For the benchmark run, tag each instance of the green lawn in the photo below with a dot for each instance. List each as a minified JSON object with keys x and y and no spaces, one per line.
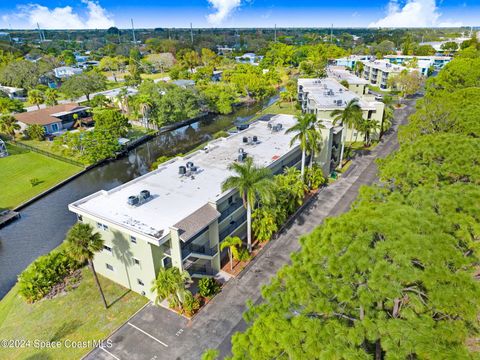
{"x":77,"y":316}
{"x":280,"y":107}
{"x":20,"y":166}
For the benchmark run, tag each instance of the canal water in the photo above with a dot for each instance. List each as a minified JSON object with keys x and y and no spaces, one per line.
{"x":44,"y":223}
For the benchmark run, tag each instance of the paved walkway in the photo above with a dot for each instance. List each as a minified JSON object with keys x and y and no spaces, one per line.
{"x":156,"y":333}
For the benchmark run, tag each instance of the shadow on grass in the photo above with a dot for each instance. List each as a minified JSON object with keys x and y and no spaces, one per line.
{"x":67,"y":328}
{"x":118,"y":299}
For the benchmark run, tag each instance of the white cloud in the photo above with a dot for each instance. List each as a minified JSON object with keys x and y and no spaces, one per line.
{"x":95,"y":17}
{"x":415,"y":13}
{"x":223,"y":9}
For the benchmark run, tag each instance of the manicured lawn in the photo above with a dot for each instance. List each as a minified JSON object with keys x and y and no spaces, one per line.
{"x":153,"y":76}
{"x":20,"y":166}
{"x":280,"y":107}
{"x":77,"y":316}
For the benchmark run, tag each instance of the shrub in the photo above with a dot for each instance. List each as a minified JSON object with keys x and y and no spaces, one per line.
{"x":39,"y":277}
{"x":314,"y":177}
{"x":191,"y":304}
{"x":221,"y":134}
{"x":34,"y":182}
{"x":208,"y":287}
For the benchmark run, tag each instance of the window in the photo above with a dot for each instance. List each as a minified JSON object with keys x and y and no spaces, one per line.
{"x":108,"y":248}
{"x":109,"y":267}
{"x":136,"y":261}
{"x":230,"y":200}
{"x":140,"y":282}
{"x":133,"y":239}
{"x":102,"y":226}
{"x":54,"y":127}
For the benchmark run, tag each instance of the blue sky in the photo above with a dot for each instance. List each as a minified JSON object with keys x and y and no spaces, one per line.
{"x":65,"y":14}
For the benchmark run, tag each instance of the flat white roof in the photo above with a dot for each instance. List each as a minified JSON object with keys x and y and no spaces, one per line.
{"x":384,"y":65}
{"x":340,"y":73}
{"x":329,"y":94}
{"x":175,"y":197}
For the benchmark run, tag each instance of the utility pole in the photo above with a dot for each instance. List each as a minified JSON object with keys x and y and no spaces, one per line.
{"x":191,"y":33}
{"x":39,"y":32}
{"x":275,"y":36}
{"x":133,"y":33}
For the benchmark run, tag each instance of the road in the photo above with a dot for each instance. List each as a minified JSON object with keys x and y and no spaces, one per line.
{"x":157,"y":333}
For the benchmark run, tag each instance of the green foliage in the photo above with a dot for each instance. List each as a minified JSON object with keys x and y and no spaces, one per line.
{"x":459,"y":74}
{"x":35,"y":97}
{"x":191,"y":304}
{"x":36,"y":132}
{"x":34,"y":182}
{"x":211,"y":354}
{"x":208,"y":287}
{"x":39,"y":277}
{"x":8,"y":106}
{"x":8,"y":125}
{"x":250,"y":81}
{"x":219,"y":97}
{"x":84,"y":84}
{"x":111,"y":121}
{"x":221,"y":134}
{"x":170,"y":285}
{"x":160,"y":160}
{"x":21,"y":74}
{"x":51,"y":97}
{"x":314,"y":177}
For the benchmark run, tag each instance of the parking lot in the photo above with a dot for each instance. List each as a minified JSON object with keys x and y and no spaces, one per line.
{"x":147,"y":335}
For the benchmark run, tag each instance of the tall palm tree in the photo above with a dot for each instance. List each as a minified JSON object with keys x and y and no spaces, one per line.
{"x":122,"y":99}
{"x":170,"y":284}
{"x":307,"y":134}
{"x":232,"y":243}
{"x":144,"y":103}
{"x":83,"y":243}
{"x":358,"y":67}
{"x":388,"y":115}
{"x":349,"y":117}
{"x":51,"y":97}
{"x":252,"y":182}
{"x":35,"y":97}
{"x":367,"y":127}
{"x":8,"y":125}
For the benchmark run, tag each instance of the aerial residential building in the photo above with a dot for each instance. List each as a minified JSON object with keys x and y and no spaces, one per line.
{"x":13,"y":92}
{"x":55,"y":119}
{"x":321,"y":97}
{"x":377,"y":72}
{"x":355,"y":83}
{"x":249,"y":58}
{"x":178,"y":215}
{"x":424,"y":62}
{"x":351,"y":60}
{"x":64,"y":72}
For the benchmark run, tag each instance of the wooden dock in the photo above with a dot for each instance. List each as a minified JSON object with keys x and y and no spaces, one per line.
{"x":8,"y":216}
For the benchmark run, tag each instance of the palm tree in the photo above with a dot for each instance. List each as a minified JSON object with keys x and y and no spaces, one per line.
{"x":367,"y":127}
{"x":144,"y":103}
{"x":83,"y":243}
{"x":170,"y":284}
{"x":8,"y":125}
{"x":122,"y":99}
{"x":252,"y":182}
{"x":307,"y":134}
{"x":232,"y":244}
{"x":349,"y":117}
{"x":388,"y":115}
{"x":35,"y":97}
{"x":51,"y":97}
{"x":358,"y":67}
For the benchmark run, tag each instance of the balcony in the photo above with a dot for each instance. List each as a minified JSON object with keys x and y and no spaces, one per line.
{"x":200,"y":271}
{"x":200,"y":251}
{"x":234,"y":206}
{"x":232,"y":227}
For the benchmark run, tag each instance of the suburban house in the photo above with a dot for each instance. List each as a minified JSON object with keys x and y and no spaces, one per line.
{"x":377,"y":72}
{"x":184,"y":83}
{"x":249,"y":58}
{"x":13,"y":92}
{"x":55,"y":119}
{"x":356,"y":84}
{"x":64,"y":72}
{"x":177,"y":215}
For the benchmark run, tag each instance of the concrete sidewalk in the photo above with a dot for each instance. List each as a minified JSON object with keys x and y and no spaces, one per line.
{"x":214,"y":325}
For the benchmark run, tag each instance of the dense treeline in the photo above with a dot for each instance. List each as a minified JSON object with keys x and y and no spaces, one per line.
{"x":394,"y":277}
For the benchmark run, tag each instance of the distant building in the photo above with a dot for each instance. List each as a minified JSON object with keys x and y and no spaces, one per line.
{"x":424,"y":62}
{"x":355,"y":83}
{"x":178,"y":215}
{"x":249,"y":58}
{"x":55,"y":119}
{"x":321,"y":97}
{"x":351,"y":60}
{"x":13,"y":92}
{"x":377,"y":72}
{"x":64,"y":72}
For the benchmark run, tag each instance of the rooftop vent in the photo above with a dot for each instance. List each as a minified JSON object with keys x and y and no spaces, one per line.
{"x":189,"y":164}
{"x":241,"y":156}
{"x":245,"y":140}
{"x":182,"y":170}
{"x":135,"y":200}
{"x":255,"y":138}
{"x":241,"y":151}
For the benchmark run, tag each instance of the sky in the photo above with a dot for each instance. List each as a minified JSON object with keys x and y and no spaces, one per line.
{"x":100,"y":14}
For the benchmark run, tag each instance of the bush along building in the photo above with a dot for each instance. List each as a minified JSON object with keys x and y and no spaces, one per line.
{"x":177,"y":215}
